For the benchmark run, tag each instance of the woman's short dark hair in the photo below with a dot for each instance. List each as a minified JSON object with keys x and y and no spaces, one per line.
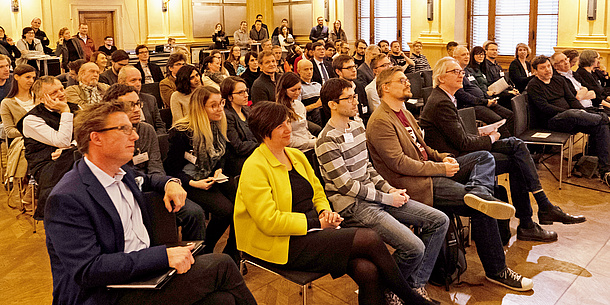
{"x":19,"y":70}
{"x":265,"y":117}
{"x":206,"y":61}
{"x":475,"y":51}
{"x":183,"y":79}
{"x":248,"y":56}
{"x":26,"y":30}
{"x":228,"y":85}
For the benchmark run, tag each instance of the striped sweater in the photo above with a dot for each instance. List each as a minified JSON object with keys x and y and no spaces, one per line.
{"x":345,"y":167}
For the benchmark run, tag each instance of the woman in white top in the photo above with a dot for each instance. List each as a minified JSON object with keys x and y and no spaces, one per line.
{"x":19,"y":99}
{"x":187,"y":80}
{"x":27,"y":44}
{"x":287,"y":92}
{"x":285,"y":35}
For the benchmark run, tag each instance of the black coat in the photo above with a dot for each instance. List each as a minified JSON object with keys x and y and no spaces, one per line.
{"x":155,"y":71}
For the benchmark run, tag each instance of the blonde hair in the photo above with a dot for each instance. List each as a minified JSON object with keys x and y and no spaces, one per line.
{"x":186,"y":52}
{"x":197,"y":120}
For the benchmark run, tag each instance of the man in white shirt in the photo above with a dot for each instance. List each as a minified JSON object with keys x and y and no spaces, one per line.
{"x":561,"y":63}
{"x":323,"y":69}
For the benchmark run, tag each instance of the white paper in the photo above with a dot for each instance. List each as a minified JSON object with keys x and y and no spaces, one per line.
{"x":487,"y":129}
{"x":541,"y":135}
{"x":221,"y":178}
{"x":499,"y":86}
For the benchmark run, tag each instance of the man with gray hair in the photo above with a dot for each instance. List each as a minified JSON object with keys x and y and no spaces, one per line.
{"x":561,"y":63}
{"x":89,"y":90}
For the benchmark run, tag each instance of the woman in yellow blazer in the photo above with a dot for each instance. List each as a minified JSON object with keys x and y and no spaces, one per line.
{"x":282,"y":216}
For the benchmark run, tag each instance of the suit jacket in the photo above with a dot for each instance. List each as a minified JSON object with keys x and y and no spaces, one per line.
{"x":396,"y":156}
{"x":151,"y":112}
{"x":518,"y":75}
{"x":445,"y":130}
{"x":85,"y":238}
{"x":155,"y":71}
{"x":75,"y":50}
{"x":76,"y":95}
{"x":365,"y":74}
{"x":241,"y":142}
{"x":317,"y":74}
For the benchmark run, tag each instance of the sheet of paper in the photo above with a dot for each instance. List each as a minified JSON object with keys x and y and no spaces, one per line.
{"x":487,"y":129}
{"x":499,"y":86}
{"x":541,"y":135}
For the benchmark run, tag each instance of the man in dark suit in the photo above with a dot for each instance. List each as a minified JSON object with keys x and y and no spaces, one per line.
{"x":98,"y":226}
{"x":130,"y":76}
{"x":151,"y":73}
{"x":444,"y":131}
{"x":322,"y":68}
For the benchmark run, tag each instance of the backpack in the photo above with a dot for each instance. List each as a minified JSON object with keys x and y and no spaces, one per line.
{"x":451,"y":261}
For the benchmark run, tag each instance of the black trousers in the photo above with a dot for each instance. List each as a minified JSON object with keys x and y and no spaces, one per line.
{"x":495,"y":113}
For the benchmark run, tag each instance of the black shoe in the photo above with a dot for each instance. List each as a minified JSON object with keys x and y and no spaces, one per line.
{"x":512,"y":280}
{"x":535,"y":233}
{"x":557,"y":215}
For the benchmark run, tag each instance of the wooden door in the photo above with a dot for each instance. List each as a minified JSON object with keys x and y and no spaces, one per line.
{"x":101,"y":24}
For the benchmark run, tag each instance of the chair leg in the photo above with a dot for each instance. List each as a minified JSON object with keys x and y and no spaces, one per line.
{"x":561,"y":167}
{"x":241,"y":267}
{"x":304,"y":290}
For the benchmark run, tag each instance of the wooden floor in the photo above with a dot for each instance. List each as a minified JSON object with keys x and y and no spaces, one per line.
{"x":573,"y":270}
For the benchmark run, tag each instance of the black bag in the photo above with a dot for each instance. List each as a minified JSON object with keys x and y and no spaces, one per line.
{"x":451,"y":261}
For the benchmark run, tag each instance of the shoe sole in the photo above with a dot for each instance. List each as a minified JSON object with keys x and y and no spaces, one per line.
{"x":550,"y":222}
{"x":492,"y":208}
{"x":510,"y":287}
{"x":536,"y":239}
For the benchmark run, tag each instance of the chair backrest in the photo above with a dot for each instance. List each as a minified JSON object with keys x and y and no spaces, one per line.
{"x":469,"y":118}
{"x":166,"y":117}
{"x":153,"y":89}
{"x":164,"y":229}
{"x":163,"y":145}
{"x":520,"y":113}
{"x":417,"y":83}
{"x":427,"y":76}
{"x":426,"y":91}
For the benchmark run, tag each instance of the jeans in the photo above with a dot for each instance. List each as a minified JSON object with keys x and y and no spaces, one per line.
{"x":190,"y":217}
{"x":415,"y":257}
{"x":513,"y":157}
{"x":476,"y":176}
{"x":595,"y":124}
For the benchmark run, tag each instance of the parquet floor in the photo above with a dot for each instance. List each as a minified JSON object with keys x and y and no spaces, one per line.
{"x":573,"y":270}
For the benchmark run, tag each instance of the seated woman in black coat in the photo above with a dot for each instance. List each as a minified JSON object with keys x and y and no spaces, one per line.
{"x":252,"y":70}
{"x":589,"y":59}
{"x":520,"y":69}
{"x":242,"y":142}
{"x":221,"y":41}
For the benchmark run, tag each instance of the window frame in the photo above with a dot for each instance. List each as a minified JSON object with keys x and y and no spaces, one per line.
{"x":399,"y":21}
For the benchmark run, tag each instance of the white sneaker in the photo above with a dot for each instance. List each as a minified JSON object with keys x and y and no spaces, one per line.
{"x":492,"y":208}
{"x":512,"y":280}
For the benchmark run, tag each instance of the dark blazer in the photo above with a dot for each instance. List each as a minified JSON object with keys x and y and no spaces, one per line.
{"x":444,"y":130}
{"x":241,"y":140}
{"x":263,"y":88}
{"x":587,"y":79}
{"x":155,"y":71}
{"x":317,"y":75}
{"x":365,"y":74}
{"x":151,"y":112}
{"x":518,"y":75}
{"x":75,"y":49}
{"x":85,"y":238}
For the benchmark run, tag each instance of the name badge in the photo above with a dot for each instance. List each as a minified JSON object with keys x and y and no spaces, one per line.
{"x":190,"y":157}
{"x":348,"y":137}
{"x":140,"y":158}
{"x":502,"y":73}
{"x":365,"y":109}
{"x":471,"y":78}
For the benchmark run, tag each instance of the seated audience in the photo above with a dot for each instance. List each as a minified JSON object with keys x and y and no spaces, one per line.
{"x":384,"y":46}
{"x":319,"y":31}
{"x":151,"y":73}
{"x":47,"y":135}
{"x":241,"y":141}
{"x":147,"y":156}
{"x":589,"y":59}
{"x":90,"y":249}
{"x":573,"y":57}
{"x":278,"y":31}
{"x":252,"y":72}
{"x":242,"y":38}
{"x":263,"y":88}
{"x":420,"y":60}
{"x":28,"y":44}
{"x":119,"y":60}
{"x":398,"y":57}
{"x":212,"y":75}
{"x":260,"y":18}
{"x":19,"y":100}
{"x":168,"y":85}
{"x":345,"y":68}
{"x":561,"y":65}
{"x":279,"y":202}
{"x":187,"y":80}
{"x":520,"y":69}
{"x":259,"y":33}
{"x":285,"y":38}
{"x":184,"y":51}
{"x":220,"y":39}
{"x":337,"y":33}
{"x":7,"y":47}
{"x":197,"y":155}
{"x":322,"y":68}
{"x":232,"y":63}
{"x":331,"y":51}
{"x":363,"y":198}
{"x":379,"y":63}
{"x":472,"y":95}
{"x":444,"y":131}
{"x":557,"y":109}
{"x":89,"y":90}
{"x":287,"y":93}
{"x":463,"y":185}
{"x":359,"y":53}
{"x":310,"y":93}
{"x":220,"y":56}
{"x":277,"y":53}
{"x":6,"y":78}
{"x":493,"y":72}
{"x":307,"y":55}
{"x":61,"y":50}
{"x":99,"y":58}
{"x":130,"y":76}
{"x":108,"y":47}
{"x":71,"y":77}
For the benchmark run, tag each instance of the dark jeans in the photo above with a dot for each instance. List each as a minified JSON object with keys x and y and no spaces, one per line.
{"x":212,"y":277}
{"x":476,"y":176}
{"x":594,"y":124}
{"x":513,"y":157}
{"x":190,"y":217}
{"x":495,"y":113}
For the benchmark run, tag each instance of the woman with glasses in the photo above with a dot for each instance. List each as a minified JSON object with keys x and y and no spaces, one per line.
{"x":187,"y":80}
{"x":27,"y":44}
{"x":589,"y":59}
{"x":287,"y":93}
{"x":242,"y":142}
{"x":197,"y":153}
{"x":520,"y":69}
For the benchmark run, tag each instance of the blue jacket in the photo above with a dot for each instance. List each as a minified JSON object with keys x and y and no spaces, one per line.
{"x":85,"y":238}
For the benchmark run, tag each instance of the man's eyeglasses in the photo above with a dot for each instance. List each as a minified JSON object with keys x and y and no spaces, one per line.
{"x":457,"y":72}
{"x":402,"y":81}
{"x":350,"y":98}
{"x":144,"y":52}
{"x":387,"y":64}
{"x":349,"y":67}
{"x":126,"y":129}
{"x":245,"y":91}
{"x":138,"y":104}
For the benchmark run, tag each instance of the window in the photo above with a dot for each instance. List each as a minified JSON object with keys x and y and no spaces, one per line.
{"x":384,"y":20}
{"x":509,"y":22}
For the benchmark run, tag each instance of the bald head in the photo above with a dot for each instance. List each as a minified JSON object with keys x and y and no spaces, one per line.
{"x":305,"y":69}
{"x":131,"y":76}
{"x":462,"y":55}
{"x":89,"y":74}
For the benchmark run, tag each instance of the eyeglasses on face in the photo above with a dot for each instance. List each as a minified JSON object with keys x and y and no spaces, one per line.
{"x":457,"y":72}
{"x":402,"y":81}
{"x":138,"y":104}
{"x":350,"y":98}
{"x":126,"y":129}
{"x":349,"y":67}
{"x":218,"y":106}
{"x":240,"y":92}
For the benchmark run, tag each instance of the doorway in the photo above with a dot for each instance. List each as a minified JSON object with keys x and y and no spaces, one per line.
{"x":101,"y":24}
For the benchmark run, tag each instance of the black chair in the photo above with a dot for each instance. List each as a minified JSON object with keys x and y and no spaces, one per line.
{"x":417,"y":83}
{"x":166,"y":117}
{"x":426,"y":91}
{"x":163,"y":145}
{"x":153,"y":89}
{"x":427,"y":76}
{"x":523,"y":116}
{"x":302,"y":278}
{"x":165,"y":230}
{"x":469,"y":120}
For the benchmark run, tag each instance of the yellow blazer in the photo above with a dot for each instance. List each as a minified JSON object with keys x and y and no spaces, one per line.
{"x":263,"y":216}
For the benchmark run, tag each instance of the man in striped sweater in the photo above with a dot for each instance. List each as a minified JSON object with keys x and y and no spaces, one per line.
{"x":364,"y":198}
